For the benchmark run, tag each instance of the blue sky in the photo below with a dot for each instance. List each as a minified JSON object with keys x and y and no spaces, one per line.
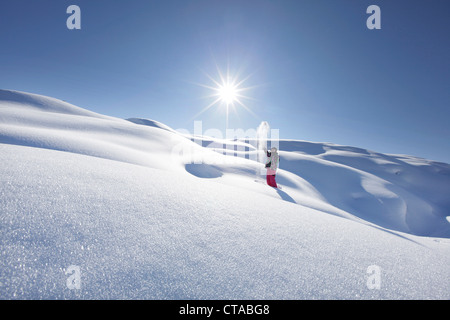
{"x":315,"y":71}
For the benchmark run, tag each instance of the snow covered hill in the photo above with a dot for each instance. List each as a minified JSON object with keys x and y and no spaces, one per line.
{"x":147,"y":213}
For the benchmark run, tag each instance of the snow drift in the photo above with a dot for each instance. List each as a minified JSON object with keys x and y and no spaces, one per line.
{"x":148,"y":213}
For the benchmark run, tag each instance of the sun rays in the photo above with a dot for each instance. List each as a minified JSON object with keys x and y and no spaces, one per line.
{"x":227,"y":92}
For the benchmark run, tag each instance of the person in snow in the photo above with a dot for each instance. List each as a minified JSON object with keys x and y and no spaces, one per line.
{"x":273,"y":159}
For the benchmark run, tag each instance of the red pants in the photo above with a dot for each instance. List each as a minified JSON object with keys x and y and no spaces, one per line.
{"x":271,"y":181}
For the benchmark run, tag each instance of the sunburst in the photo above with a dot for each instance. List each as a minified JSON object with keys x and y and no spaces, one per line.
{"x":227,"y":92}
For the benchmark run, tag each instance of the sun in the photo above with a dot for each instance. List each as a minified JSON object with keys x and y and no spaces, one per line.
{"x":227,"y":92}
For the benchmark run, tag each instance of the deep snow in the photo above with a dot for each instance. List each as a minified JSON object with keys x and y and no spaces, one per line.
{"x":145,"y":212}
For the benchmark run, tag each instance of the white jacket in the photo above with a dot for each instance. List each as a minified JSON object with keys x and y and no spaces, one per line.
{"x":274,"y":159}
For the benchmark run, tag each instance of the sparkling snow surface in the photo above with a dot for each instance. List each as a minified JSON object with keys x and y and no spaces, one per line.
{"x":146,"y":213}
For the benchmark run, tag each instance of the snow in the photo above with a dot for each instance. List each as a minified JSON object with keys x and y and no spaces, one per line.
{"x":147,"y":213}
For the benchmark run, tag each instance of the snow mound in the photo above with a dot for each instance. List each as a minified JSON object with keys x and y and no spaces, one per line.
{"x":36,"y":121}
{"x":28,"y":102}
{"x":150,"y":123}
{"x":148,"y":213}
{"x":403,"y":193}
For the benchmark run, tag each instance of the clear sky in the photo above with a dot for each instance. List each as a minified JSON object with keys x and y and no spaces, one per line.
{"x":313,"y":69}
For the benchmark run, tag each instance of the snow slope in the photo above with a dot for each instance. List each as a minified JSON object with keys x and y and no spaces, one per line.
{"x":146,"y":213}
